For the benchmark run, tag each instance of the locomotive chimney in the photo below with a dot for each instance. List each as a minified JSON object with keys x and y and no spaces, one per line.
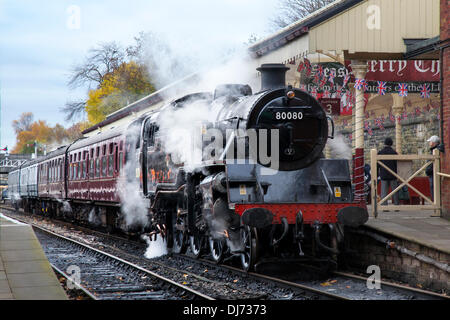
{"x":273,"y":75}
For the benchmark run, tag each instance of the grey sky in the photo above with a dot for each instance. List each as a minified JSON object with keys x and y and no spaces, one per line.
{"x":38,"y":49}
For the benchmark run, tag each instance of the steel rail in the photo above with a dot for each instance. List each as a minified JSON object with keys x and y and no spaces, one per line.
{"x":265,"y":277}
{"x":130,"y":264}
{"x":394,"y":285}
{"x":78,"y":285}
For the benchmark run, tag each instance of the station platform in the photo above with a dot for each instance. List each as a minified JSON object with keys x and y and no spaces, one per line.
{"x":415,"y":226}
{"x":25,"y":273}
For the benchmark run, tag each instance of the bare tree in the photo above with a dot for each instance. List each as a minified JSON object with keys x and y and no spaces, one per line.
{"x":98,"y":63}
{"x":23,"y":123}
{"x":73,"y":109}
{"x":291,"y":11}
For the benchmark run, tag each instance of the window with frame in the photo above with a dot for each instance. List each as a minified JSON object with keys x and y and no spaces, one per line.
{"x":91,"y":169}
{"x":104,"y":166}
{"x":110,"y":165}
{"x":120,"y":161}
{"x":97,"y":167}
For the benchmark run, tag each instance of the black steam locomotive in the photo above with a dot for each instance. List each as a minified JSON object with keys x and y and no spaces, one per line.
{"x":275,"y":195}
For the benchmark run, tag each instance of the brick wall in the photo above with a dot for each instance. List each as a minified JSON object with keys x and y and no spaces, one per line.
{"x":394,"y":265}
{"x":445,"y":69}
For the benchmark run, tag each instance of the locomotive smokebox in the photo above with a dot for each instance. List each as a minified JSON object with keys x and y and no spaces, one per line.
{"x":273,"y":75}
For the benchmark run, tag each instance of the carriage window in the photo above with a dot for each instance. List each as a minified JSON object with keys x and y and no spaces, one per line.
{"x":121,"y":145}
{"x":91,"y":169}
{"x":92,"y":153}
{"x":104,"y":168}
{"x":120,"y":161}
{"x":110,"y":166}
{"x":97,"y":167}
{"x":83,"y":171}
{"x":110,"y":148}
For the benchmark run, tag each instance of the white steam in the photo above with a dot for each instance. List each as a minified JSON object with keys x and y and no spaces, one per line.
{"x":339,"y":149}
{"x":134,"y":206}
{"x":156,"y":248}
{"x":180,"y":130}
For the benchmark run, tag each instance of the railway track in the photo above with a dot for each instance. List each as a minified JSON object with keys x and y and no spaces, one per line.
{"x":339,"y":286}
{"x":107,"y":277}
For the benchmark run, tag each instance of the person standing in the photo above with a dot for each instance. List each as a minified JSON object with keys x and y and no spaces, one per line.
{"x":387,"y":179}
{"x":434,"y":144}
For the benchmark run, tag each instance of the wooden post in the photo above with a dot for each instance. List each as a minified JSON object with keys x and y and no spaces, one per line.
{"x":436,"y":183}
{"x":374,"y":174}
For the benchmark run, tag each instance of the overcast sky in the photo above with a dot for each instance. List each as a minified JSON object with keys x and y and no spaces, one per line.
{"x":40,"y":41}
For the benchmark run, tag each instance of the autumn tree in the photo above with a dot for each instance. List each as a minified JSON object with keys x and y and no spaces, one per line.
{"x":290,"y":11}
{"x":47,"y":137}
{"x":126,"y":84}
{"x":114,"y":77}
{"x":23,"y":123}
{"x":100,"y":61}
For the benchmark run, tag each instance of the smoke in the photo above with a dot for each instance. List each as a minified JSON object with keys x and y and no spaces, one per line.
{"x":66,"y":207}
{"x":180,"y":130}
{"x":155,"y":248}
{"x":339,"y":148}
{"x":94,"y":219}
{"x":55,"y":145}
{"x":134,"y":206}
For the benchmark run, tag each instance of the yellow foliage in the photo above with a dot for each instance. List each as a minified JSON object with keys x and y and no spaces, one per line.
{"x":43,"y":134}
{"x":128,"y":83}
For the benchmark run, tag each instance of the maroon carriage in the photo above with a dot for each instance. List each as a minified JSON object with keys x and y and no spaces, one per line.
{"x":93,"y":168}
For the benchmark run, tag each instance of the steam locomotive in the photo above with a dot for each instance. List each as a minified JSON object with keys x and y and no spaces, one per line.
{"x":260,"y":190}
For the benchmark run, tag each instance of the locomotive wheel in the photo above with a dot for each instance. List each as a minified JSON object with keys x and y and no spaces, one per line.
{"x":249,"y":241}
{"x":179,"y":236}
{"x":217,"y":249}
{"x":196,"y":244}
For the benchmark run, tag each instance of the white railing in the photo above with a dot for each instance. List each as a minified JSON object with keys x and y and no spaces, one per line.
{"x":5,"y":163}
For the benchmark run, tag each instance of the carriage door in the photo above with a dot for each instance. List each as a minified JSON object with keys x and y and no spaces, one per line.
{"x":153,"y":155}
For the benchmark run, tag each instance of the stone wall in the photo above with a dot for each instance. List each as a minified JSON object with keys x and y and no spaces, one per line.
{"x":415,"y":132}
{"x":398,"y":266}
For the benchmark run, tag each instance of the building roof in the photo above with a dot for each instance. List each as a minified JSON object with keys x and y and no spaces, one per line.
{"x":423,"y":49}
{"x":301,"y":27}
